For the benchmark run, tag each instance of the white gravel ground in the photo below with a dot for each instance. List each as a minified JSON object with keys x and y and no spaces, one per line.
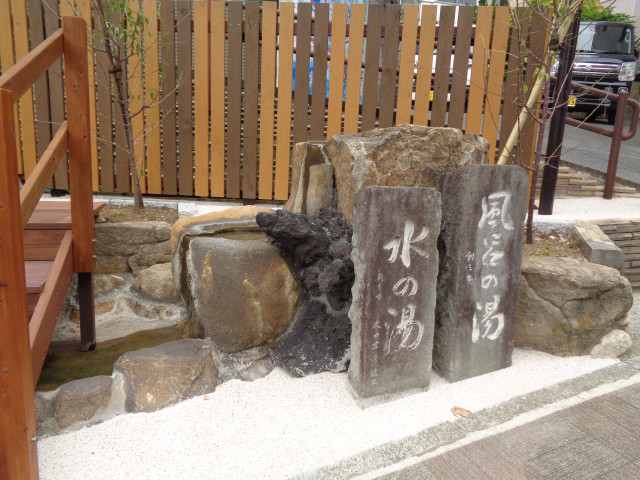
{"x":279,"y":426}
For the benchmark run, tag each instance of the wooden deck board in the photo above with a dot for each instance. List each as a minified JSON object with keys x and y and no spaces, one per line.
{"x":55,"y":215}
{"x":36,"y":272}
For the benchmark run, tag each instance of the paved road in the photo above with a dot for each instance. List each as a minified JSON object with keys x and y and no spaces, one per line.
{"x":597,"y":439}
{"x":592,"y":150}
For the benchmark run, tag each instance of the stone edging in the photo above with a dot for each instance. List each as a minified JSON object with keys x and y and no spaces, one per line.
{"x":597,"y":247}
{"x":448,"y":432}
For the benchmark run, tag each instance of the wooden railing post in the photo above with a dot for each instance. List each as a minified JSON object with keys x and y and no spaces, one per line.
{"x":18,"y":458}
{"x":79,"y":141}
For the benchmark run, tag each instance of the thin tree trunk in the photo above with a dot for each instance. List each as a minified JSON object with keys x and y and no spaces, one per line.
{"x":117,"y":69}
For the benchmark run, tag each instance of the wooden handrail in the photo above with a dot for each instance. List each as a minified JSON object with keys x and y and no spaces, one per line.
{"x":19,"y":78}
{"x":49,"y":305}
{"x":37,"y":181}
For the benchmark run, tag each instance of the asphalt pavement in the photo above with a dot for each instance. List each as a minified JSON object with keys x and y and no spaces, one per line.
{"x":591,"y":150}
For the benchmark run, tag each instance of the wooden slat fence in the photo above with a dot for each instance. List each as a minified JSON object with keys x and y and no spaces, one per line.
{"x":238,"y":91}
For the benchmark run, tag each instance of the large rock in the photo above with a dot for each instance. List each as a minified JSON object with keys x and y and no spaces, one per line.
{"x":317,"y":249}
{"x":243,"y":293}
{"x":247,"y":296}
{"x":407,"y":155}
{"x":566,"y":305}
{"x":156,"y":282}
{"x":160,"y":376}
{"x":79,"y":400}
{"x":305,"y":191}
{"x":131,"y":246}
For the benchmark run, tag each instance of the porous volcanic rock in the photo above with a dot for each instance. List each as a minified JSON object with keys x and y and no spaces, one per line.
{"x":160,"y":376}
{"x":318,"y":250}
{"x":406,"y":155}
{"x":566,"y":305}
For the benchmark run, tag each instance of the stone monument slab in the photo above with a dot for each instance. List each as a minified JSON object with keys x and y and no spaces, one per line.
{"x":483,"y":212}
{"x":395,"y":232}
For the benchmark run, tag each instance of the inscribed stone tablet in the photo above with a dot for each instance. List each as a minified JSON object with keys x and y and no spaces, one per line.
{"x":395,"y":230}
{"x":483,"y":210}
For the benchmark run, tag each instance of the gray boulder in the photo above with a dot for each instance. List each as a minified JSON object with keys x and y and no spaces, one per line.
{"x":407,"y":156}
{"x":160,"y":376}
{"x":566,"y":305}
{"x":248,"y":365}
{"x":612,"y":345}
{"x":156,"y":282}
{"x":105,"y":283}
{"x":79,"y":400}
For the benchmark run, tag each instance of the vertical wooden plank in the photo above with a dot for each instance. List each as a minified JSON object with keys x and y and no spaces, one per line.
{"x":217,"y":99}
{"x":234,"y":101}
{"x":79,"y":140}
{"x":201,"y":95}
{"x":443,"y":64}
{"x":136,"y":100}
{"x":389,"y":65}
{"x":152,"y":88}
{"x":18,"y":456}
{"x":104,"y":119}
{"x":515,"y":69}
{"x":538,"y":36}
{"x":319,"y":86}
{"x":40,"y":89}
{"x":283,"y":127}
{"x":371,"y":61}
{"x":250,"y":159}
{"x":336,"y":71}
{"x":460,"y":68}
{"x":481,"y":43}
{"x":85,"y":13}
{"x":267,"y":99}
{"x":168,"y":104}
{"x":301,"y":94}
{"x":407,"y":62}
{"x":185,"y":98}
{"x":56,"y":91}
{"x":425,"y":59}
{"x":496,"y":78}
{"x":122,"y":167}
{"x":27,"y":118}
{"x":354,"y":68}
{"x":7,"y":59}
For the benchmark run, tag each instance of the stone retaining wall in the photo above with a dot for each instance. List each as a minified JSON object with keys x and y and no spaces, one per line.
{"x":626,"y":235}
